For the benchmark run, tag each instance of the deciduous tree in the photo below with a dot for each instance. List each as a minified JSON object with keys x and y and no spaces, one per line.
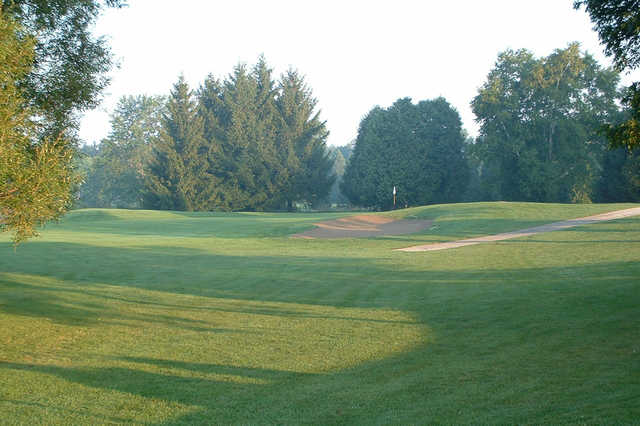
{"x":51,"y":69}
{"x":35,"y":173}
{"x":70,"y":64}
{"x":618,"y":25}
{"x":540,"y":121}
{"x":115,"y":177}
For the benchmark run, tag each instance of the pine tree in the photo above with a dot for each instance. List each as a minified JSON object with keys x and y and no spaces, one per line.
{"x":302,"y":143}
{"x":115,"y":174}
{"x":178,"y":177}
{"x":268,"y":168}
{"x":267,"y":144}
{"x":238,"y":144}
{"x":215,"y":118}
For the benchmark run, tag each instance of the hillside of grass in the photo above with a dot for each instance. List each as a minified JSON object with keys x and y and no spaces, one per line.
{"x":142,"y":317}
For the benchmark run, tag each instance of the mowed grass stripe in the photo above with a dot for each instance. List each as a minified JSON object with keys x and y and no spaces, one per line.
{"x":168,"y":318}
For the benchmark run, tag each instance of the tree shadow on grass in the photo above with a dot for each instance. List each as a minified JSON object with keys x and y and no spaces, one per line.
{"x":193,"y":384}
{"x":533,"y":311}
{"x":82,"y":273}
{"x":54,"y":303}
{"x":196,"y":225}
{"x":58,"y":409}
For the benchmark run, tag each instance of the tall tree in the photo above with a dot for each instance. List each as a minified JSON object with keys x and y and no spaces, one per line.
{"x":242,"y":142}
{"x":302,"y":143}
{"x":268,"y":145}
{"x":116,"y":175}
{"x":418,"y":149}
{"x":347,"y":150}
{"x":540,"y":121}
{"x":64,"y":74}
{"x":221,"y":152}
{"x":70,"y":65}
{"x":36,"y":176}
{"x":178,"y":177}
{"x":618,"y":25}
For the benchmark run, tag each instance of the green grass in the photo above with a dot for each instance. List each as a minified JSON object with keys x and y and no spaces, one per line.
{"x":141,"y":317}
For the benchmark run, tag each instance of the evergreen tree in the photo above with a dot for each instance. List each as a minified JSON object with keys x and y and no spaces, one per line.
{"x":268,"y":168}
{"x":302,"y":143}
{"x":368,"y":166}
{"x":347,"y":150}
{"x":240,"y":143}
{"x":220,"y":157}
{"x":419,"y":149}
{"x":268,"y":146}
{"x":178,"y":176}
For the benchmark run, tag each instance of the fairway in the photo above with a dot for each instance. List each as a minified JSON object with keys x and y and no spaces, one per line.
{"x":153,"y":317}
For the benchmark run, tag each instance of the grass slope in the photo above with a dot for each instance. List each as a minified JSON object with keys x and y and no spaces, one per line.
{"x":168,"y":318}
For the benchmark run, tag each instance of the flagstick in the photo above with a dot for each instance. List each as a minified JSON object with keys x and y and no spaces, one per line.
{"x":394,"y":197}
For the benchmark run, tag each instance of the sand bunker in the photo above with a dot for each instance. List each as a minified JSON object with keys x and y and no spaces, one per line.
{"x":362,"y":226}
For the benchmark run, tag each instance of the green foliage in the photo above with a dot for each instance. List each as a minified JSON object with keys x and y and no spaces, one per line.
{"x":618,"y":25}
{"x":540,"y":125}
{"x":245,"y":109}
{"x":627,"y":133}
{"x":620,"y":178}
{"x":114,"y":175}
{"x":245,"y":143}
{"x":347,"y":150}
{"x":70,"y":65}
{"x":416,"y":148}
{"x":177,"y":177}
{"x":266,"y":145}
{"x":302,"y":142}
{"x":35,"y":174}
{"x":51,"y":69}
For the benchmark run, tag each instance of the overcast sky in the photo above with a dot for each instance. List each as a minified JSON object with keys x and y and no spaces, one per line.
{"x":355,"y":54}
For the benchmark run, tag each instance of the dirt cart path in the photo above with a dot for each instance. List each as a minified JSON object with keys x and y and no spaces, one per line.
{"x":619,"y":214}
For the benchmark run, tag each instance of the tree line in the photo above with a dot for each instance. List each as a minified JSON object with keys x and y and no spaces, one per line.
{"x":543,"y":137}
{"x":249,"y":143}
{"x":245,"y":143}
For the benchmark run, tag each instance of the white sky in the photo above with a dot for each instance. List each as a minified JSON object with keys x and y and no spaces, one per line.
{"x":355,"y":54}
